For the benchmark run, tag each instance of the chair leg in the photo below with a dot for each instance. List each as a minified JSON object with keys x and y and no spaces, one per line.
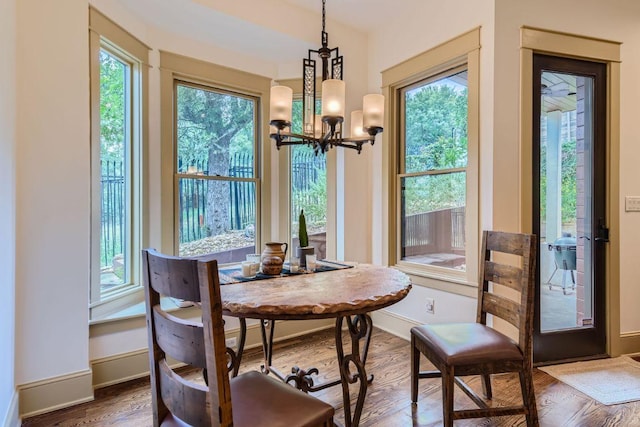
{"x":415,"y":369}
{"x":447,"y":396}
{"x":529,"y":397}
{"x":486,"y":386}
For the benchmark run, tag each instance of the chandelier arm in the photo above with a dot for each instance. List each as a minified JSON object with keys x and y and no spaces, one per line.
{"x":331,"y":64}
{"x":357,"y":145}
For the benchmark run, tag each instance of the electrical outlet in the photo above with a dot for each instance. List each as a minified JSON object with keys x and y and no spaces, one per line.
{"x":431,"y":306}
{"x":231,"y":342}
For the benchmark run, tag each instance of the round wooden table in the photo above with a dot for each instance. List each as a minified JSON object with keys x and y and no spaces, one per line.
{"x":347,"y":295}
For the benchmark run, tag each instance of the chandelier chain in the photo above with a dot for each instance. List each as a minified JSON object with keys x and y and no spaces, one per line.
{"x":323,"y":15}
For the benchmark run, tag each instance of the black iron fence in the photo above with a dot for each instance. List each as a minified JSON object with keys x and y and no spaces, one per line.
{"x":307,"y":169}
{"x":308,"y":172}
{"x":112,"y":201}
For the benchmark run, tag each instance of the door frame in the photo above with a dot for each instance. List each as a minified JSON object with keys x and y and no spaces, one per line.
{"x":534,"y":40}
{"x":575,"y":343}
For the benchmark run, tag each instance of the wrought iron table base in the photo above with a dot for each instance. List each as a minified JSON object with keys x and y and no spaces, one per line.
{"x":351,"y":366}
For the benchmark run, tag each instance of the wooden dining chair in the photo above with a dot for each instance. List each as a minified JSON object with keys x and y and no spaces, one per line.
{"x":251,"y":399}
{"x":460,"y":349}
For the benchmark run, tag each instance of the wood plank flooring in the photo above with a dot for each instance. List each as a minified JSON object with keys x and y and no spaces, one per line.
{"x":387,"y":402}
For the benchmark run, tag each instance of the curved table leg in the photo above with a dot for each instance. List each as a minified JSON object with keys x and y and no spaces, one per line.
{"x":359,"y":327}
{"x":267,"y":329}
{"x":236,"y":358}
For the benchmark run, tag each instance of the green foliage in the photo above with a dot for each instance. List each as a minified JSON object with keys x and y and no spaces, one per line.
{"x":568,"y":185}
{"x":113,"y":81}
{"x":436,"y":127}
{"x":302,"y":230}
{"x":569,"y":190}
{"x":435,"y":139}
{"x":433,"y":192}
{"x":314,"y":199}
{"x":212,"y":124}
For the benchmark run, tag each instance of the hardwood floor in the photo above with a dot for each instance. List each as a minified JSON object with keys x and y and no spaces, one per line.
{"x":388,"y":398}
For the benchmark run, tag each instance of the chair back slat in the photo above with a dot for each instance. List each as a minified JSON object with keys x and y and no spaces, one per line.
{"x":175,"y":277}
{"x":198,"y":344}
{"x":515,"y":273}
{"x":502,"y":274}
{"x":502,"y":307}
{"x":181,"y":339}
{"x":509,"y":243}
{"x":185,"y":399}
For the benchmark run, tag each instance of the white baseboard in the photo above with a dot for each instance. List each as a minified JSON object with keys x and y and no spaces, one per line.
{"x":48,"y":395}
{"x":12,"y":418}
{"x":628,"y":343}
{"x":393,"y":323}
{"x":128,"y":366}
{"x":120,"y":368}
{"x":61,"y":392}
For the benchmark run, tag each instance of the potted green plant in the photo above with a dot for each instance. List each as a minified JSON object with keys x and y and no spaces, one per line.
{"x":304,"y":249}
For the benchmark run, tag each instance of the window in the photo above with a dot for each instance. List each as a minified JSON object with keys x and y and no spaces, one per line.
{"x":308,"y":189}
{"x":433,"y":171}
{"x":432,"y":148}
{"x":217,"y":174}
{"x":117,"y":138}
{"x":215,"y":198}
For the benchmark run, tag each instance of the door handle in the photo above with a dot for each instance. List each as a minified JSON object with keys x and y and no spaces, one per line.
{"x":602,"y":233}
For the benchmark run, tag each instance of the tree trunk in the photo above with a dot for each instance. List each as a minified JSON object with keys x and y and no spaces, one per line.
{"x":218,"y":198}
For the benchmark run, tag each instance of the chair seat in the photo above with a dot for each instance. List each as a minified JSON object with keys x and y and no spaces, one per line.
{"x":460,"y":344}
{"x":262,"y":401}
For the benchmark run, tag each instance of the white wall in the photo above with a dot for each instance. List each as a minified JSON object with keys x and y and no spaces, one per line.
{"x":617,"y":21}
{"x":52,"y":191}
{"x":7,"y":207}
{"x":401,"y":38}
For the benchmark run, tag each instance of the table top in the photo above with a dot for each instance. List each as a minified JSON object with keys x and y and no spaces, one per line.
{"x":345,"y":292}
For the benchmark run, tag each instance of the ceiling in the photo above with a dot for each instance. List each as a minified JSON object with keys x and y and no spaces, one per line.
{"x":364,"y":15}
{"x":249,"y":27}
{"x":559,"y":92}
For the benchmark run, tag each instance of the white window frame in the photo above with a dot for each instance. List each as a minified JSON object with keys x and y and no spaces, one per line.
{"x":462,"y":51}
{"x":255,"y":179}
{"x":180,"y":69}
{"x":104,"y":34}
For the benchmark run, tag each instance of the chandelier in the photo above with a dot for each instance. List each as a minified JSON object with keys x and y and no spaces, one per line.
{"x":324,"y":131}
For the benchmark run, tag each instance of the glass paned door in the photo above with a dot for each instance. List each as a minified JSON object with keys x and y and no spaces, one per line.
{"x":564,"y":144}
{"x":570,"y":119}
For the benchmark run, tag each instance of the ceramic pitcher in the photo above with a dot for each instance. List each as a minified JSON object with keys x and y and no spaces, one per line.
{"x":275,"y":249}
{"x":273,"y":257}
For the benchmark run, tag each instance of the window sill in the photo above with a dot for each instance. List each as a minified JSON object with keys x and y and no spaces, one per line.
{"x":139,"y":310}
{"x":445,"y":280}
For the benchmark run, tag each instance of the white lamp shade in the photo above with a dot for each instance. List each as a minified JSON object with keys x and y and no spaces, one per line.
{"x":333,"y":95}
{"x":373,"y":106}
{"x":356,"y":124}
{"x":281,"y":103}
